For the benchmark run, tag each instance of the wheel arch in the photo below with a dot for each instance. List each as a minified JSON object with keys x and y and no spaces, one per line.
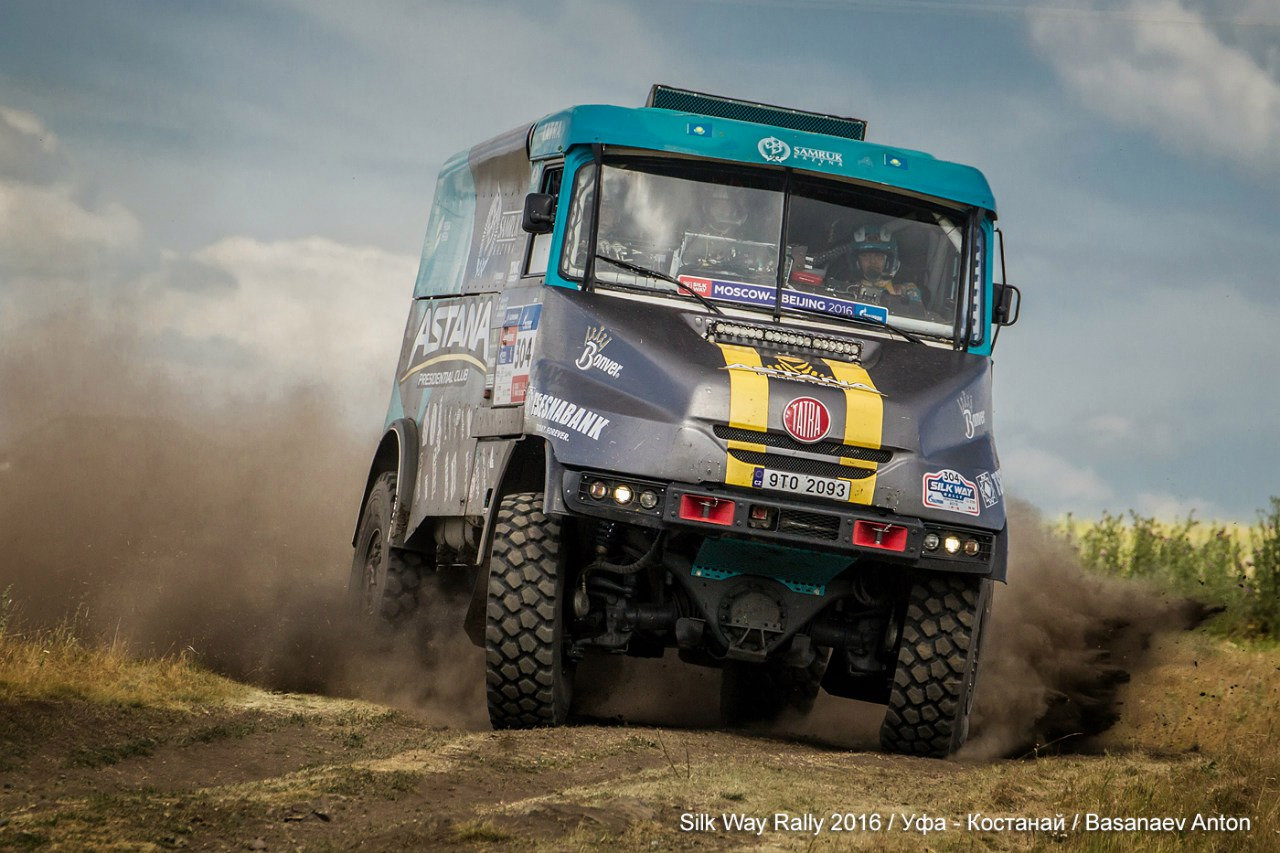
{"x":398,"y":452}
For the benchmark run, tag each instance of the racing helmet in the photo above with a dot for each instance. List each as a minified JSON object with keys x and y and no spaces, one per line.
{"x":870,"y":238}
{"x":725,"y":212}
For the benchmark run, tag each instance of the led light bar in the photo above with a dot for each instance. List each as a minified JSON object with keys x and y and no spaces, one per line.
{"x":781,"y":338}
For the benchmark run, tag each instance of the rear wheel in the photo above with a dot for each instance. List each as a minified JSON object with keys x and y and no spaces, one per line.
{"x":384,"y":581}
{"x":760,"y":692}
{"x":932,"y":690}
{"x":528,"y":678}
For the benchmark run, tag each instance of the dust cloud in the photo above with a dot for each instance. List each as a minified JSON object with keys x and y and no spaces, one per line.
{"x":215,"y":521}
{"x":176,"y":516}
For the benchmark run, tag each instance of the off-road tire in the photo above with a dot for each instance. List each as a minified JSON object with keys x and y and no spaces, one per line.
{"x":528,"y":680}
{"x":384,"y":582}
{"x":937,"y":669}
{"x":752,"y":693}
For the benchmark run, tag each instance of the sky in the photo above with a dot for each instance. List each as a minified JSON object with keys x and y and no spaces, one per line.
{"x":250,"y":181}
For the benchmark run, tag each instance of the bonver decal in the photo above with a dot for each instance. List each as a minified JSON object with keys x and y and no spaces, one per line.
{"x":593,"y":353}
{"x":949,"y":490}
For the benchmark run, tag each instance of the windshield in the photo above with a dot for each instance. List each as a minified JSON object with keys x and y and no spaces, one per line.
{"x":848,"y":251}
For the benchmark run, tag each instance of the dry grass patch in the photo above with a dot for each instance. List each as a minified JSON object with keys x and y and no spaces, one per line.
{"x":57,"y":663}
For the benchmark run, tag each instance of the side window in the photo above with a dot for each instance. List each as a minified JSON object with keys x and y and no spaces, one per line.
{"x":540,"y":245}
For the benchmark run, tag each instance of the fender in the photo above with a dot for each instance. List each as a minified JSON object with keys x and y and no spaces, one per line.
{"x":397,"y":451}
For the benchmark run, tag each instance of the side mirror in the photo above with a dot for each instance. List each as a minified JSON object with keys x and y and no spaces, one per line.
{"x":539,"y":213}
{"x":1008,"y":305}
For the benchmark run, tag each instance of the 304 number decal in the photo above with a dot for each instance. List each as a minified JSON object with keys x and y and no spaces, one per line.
{"x":800,"y":484}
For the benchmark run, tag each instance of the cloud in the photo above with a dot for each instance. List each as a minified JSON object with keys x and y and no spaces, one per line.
{"x":240,"y":319}
{"x":28,"y":149}
{"x":1054,"y":484}
{"x":1163,"y":68}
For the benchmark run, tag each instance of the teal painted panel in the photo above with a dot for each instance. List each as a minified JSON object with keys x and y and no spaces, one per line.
{"x":747,"y":142}
{"x":800,"y":570}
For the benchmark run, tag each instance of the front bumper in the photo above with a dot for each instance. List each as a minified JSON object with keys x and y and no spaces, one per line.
{"x":768,"y":517}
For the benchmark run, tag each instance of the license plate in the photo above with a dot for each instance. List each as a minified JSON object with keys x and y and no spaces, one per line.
{"x":801,"y":484}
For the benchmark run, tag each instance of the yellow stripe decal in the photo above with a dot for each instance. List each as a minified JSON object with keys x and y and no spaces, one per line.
{"x":748,"y":408}
{"x":863,"y":422}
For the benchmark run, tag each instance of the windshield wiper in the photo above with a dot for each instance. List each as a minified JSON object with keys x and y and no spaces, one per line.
{"x":661,"y":276}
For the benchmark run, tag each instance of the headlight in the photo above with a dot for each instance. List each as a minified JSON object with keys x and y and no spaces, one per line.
{"x":622,"y":494}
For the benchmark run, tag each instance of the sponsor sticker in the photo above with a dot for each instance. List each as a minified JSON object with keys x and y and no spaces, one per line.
{"x":518,"y":335}
{"x":972,"y":418}
{"x":763,"y":294}
{"x":773,"y":149}
{"x":947,"y":489}
{"x":817,"y":155}
{"x":450,"y":331}
{"x":499,"y":234}
{"x":593,"y":356}
{"x":987,"y":488}
{"x":554,"y":410}
{"x":806,"y":420}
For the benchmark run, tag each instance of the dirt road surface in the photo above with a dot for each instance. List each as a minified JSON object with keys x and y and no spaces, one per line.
{"x":280,"y":771}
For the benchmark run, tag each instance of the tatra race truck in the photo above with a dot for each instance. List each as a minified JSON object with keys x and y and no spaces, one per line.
{"x":709,"y":376}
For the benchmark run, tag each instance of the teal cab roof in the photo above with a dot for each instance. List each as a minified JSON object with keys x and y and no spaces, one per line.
{"x":748,"y":142}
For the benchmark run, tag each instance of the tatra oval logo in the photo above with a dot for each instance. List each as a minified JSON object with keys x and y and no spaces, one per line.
{"x":806,"y":420}
{"x":774,"y":149}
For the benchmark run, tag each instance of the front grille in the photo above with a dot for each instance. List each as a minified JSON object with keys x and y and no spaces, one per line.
{"x":777,"y":439}
{"x":813,"y":524}
{"x":796,"y":465}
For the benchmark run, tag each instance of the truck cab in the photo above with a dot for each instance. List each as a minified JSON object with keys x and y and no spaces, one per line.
{"x":708,"y":376}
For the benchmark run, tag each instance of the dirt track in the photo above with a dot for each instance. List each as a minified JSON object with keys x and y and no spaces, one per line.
{"x":278,"y":771}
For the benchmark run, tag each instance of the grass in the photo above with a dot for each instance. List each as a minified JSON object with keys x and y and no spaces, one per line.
{"x":61,"y":663}
{"x":1230,"y":566}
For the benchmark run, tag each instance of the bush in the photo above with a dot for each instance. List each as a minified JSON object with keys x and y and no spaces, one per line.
{"x":1216,"y":564}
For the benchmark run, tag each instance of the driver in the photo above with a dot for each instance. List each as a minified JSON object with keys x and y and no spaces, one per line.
{"x":869,"y":270}
{"x":723,"y":213}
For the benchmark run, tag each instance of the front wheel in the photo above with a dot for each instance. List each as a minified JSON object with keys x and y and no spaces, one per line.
{"x":384,"y":582}
{"x":528,"y":677}
{"x":932,"y":690}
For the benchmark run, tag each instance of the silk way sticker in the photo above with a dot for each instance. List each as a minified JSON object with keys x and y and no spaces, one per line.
{"x":948,"y":490}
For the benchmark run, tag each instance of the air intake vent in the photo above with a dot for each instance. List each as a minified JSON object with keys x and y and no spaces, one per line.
{"x":682,"y":100}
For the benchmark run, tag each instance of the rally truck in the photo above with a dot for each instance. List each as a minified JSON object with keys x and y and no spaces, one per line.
{"x":709,"y":378}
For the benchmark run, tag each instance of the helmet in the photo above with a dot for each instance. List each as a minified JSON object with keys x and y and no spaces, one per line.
{"x":725,"y":211}
{"x":878,"y":239}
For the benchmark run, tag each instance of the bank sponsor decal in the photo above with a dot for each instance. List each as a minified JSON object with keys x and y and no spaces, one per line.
{"x":988,"y":489}
{"x":973,"y":418}
{"x":593,"y":353}
{"x":773,"y":149}
{"x":499,"y":234}
{"x":806,"y":420}
{"x":570,"y":416}
{"x":947,"y":489}
{"x":451,"y":331}
{"x":763,"y":294}
{"x":516,"y":340}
